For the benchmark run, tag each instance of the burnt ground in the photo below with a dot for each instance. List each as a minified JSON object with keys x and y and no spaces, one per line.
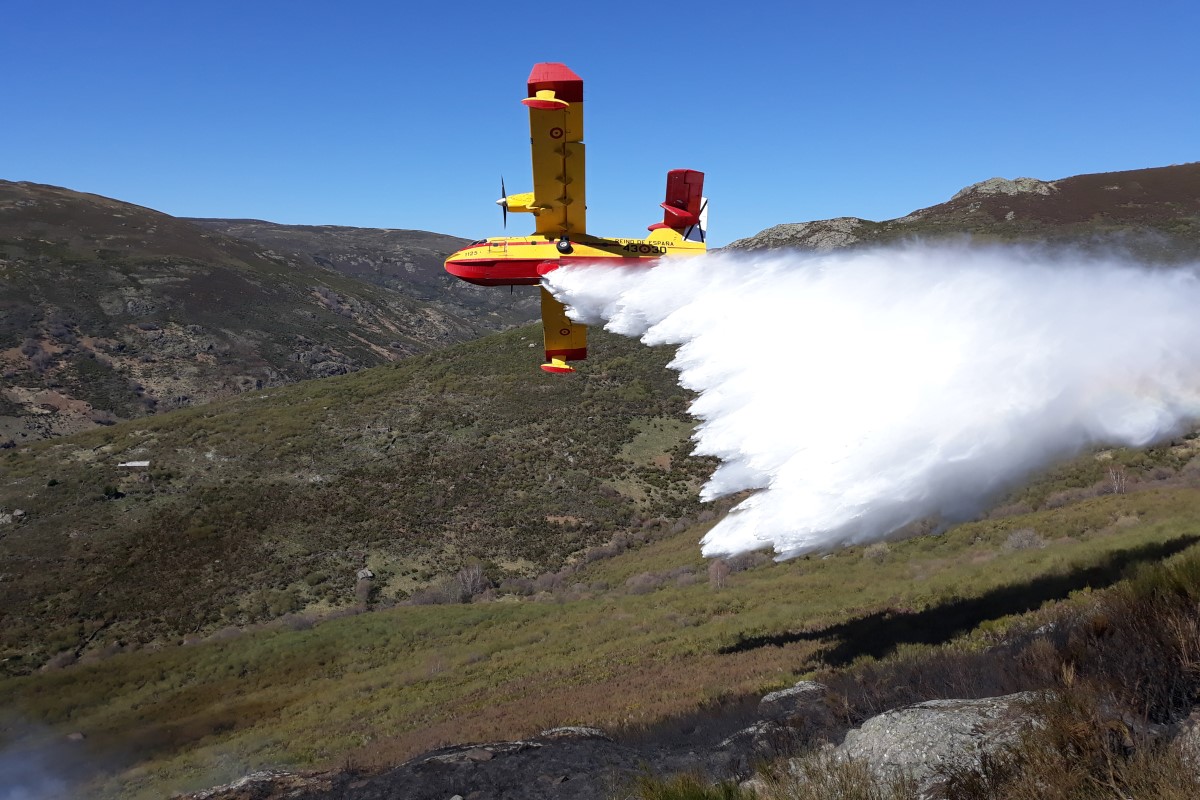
{"x":562,"y":764}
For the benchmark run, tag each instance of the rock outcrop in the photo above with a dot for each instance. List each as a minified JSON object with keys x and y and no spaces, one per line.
{"x":916,"y":747}
{"x":558,"y":764}
{"x":1152,"y":213}
{"x":822,"y":235}
{"x":922,"y":741}
{"x":1006,"y":186}
{"x":570,"y":763}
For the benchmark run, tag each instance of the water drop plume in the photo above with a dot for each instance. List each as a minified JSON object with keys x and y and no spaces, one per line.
{"x":860,"y":391}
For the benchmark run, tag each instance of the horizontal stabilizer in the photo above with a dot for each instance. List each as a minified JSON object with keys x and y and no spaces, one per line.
{"x":677,"y":217}
{"x":557,"y":365}
{"x":545,"y":100}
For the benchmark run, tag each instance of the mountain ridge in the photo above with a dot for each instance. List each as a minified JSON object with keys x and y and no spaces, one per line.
{"x":407,"y":261}
{"x":109,"y":310}
{"x":1153,"y":213}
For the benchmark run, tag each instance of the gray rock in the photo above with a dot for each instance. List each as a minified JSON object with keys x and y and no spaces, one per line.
{"x":574,"y":732}
{"x":763,"y":741}
{"x":921,"y":740}
{"x":1188,"y":743}
{"x":820,"y":235}
{"x":1005,"y":186}
{"x":796,"y":699}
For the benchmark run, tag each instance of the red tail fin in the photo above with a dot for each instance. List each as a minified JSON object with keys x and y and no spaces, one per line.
{"x":681,"y":209}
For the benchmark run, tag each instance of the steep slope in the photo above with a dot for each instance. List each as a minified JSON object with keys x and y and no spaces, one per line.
{"x":110,"y":310}
{"x":1154,"y":213}
{"x":409,"y":262}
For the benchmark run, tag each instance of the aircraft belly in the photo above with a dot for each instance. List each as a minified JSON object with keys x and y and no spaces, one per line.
{"x":528,"y":272}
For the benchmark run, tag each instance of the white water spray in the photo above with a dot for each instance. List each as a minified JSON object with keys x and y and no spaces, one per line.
{"x":860,"y":391}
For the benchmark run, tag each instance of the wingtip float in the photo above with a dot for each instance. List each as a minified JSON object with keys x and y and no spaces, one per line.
{"x":557,"y":202}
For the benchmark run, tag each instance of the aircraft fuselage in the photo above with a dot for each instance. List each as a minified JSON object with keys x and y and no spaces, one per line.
{"x":523,"y":260}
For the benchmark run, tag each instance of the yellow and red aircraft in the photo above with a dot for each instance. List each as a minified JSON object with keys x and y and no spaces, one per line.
{"x":557,"y":202}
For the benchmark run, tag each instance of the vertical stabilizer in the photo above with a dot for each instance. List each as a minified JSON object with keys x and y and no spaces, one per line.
{"x":684,"y":209}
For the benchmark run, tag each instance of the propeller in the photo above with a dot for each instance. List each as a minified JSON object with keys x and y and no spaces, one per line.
{"x":503,"y":203}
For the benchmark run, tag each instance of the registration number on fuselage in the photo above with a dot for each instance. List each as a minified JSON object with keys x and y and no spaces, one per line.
{"x":636,"y":246}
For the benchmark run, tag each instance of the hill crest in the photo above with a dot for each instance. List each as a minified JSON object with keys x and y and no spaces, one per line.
{"x":110,"y":310}
{"x":1154,"y":212}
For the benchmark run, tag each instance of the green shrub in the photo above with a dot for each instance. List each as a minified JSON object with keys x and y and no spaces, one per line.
{"x":688,"y":787}
{"x":1081,"y":750}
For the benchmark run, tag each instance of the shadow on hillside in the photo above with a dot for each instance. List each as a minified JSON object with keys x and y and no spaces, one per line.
{"x":880,"y":633}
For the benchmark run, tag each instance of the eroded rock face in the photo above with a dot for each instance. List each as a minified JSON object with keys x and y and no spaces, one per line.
{"x":1006,"y":186}
{"x":921,"y":740}
{"x":821,"y":235}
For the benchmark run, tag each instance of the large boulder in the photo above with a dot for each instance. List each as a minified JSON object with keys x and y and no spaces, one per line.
{"x":922,"y":741}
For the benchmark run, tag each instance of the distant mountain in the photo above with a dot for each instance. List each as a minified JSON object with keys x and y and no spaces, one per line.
{"x":1154,"y":213}
{"x":111,"y":310}
{"x":409,"y":262}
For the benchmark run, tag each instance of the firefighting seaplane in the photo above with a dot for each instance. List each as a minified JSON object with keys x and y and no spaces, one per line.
{"x":558,"y":205}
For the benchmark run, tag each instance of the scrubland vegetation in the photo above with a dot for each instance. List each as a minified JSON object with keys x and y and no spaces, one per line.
{"x":269,"y":504}
{"x":535,"y":561}
{"x":641,"y":630}
{"x":1112,"y":675}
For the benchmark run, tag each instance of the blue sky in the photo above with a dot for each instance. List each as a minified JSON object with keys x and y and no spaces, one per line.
{"x":406,"y":114}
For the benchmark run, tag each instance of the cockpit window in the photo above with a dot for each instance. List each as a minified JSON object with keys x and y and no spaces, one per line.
{"x":476,"y":244}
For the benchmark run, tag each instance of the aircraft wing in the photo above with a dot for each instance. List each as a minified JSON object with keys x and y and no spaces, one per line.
{"x":556,"y":138}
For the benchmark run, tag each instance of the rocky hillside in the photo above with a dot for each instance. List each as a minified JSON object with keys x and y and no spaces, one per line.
{"x":409,"y":262}
{"x":1153,"y":212}
{"x":110,"y":311}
